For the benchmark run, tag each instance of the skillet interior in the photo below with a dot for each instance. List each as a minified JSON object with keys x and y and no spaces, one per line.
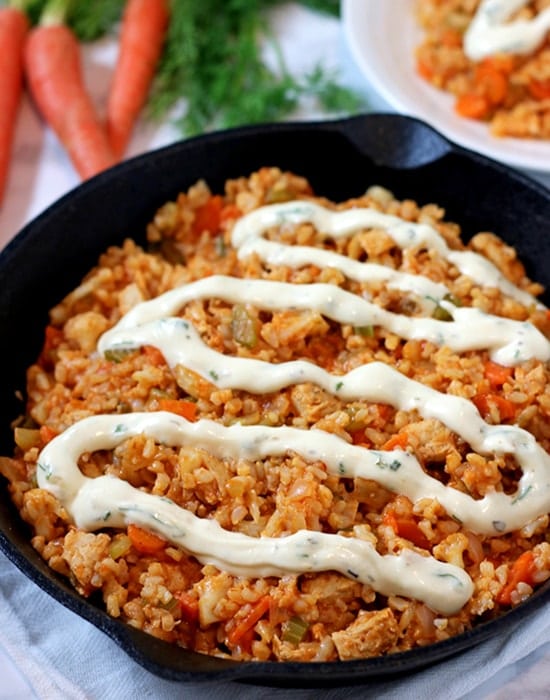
{"x":341,"y":159}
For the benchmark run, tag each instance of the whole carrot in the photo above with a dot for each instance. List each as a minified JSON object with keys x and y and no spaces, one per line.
{"x":55,"y":80}
{"x":13,"y":29}
{"x":144,"y":25}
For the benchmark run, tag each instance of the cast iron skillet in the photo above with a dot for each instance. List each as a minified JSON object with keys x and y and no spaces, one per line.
{"x":341,"y":159}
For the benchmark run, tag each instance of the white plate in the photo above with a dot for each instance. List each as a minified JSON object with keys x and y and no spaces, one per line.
{"x":382,"y":35}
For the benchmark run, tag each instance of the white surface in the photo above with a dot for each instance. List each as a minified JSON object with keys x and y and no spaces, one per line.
{"x":47,"y":652}
{"x":383,"y":35}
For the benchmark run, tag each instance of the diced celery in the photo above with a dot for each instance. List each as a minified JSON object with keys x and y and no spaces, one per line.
{"x":295,"y":630}
{"x":365,"y":331}
{"x":118,"y":354}
{"x":120,"y":546}
{"x":243,"y":327}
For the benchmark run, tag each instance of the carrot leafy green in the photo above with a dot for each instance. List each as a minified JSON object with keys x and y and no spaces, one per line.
{"x":91,"y":20}
{"x":214,"y":59}
{"x":214,"y":62}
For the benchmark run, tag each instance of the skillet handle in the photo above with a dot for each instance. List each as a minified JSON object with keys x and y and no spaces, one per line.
{"x":394,"y":140}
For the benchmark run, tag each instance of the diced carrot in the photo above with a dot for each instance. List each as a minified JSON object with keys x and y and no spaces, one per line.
{"x":358,"y":437}
{"x":407,"y":528}
{"x":496,"y":88}
{"x":246,"y":640}
{"x":540,"y":89}
{"x":242,"y":627}
{"x":492,"y":83}
{"x":398,"y":441}
{"x":189,"y":606}
{"x":52,"y":339}
{"x":384,"y":412}
{"x":451,"y":38}
{"x":230,"y":211}
{"x":154,"y":355}
{"x":497,"y":374}
{"x":410,"y":530}
{"x":183,"y":408}
{"x":483,"y":402}
{"x":522,"y":571}
{"x":324,"y":351}
{"x":424,"y":70}
{"x":144,"y":541}
{"x":47,"y":434}
{"x":472,"y":106}
{"x":53,"y":336}
{"x":489,"y":89}
{"x":208,"y":216}
{"x":503,"y":62}
{"x":390,"y":519}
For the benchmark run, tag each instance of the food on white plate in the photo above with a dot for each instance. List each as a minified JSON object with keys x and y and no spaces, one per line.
{"x":493,"y":56}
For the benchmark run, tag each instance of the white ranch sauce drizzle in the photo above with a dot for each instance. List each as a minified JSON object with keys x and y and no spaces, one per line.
{"x":95,"y":503}
{"x":248,"y":236}
{"x":489,"y":32}
{"x":377,"y":382}
{"x":108,"y":501}
{"x":510,"y":342}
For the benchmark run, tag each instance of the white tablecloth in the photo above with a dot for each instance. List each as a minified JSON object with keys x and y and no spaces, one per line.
{"x":47,"y":652}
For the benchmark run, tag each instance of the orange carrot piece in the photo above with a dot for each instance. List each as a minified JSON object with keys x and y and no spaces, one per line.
{"x":472,"y":106}
{"x":154,"y":355}
{"x":398,"y":441}
{"x":410,"y":530}
{"x":358,"y":437}
{"x":451,"y":38}
{"x":540,"y":89}
{"x":189,"y":606}
{"x":506,"y":408}
{"x":144,"y":26}
{"x":52,"y":339}
{"x":55,"y":80}
{"x":144,"y":541}
{"x":258,"y":610}
{"x":183,"y":408}
{"x":13,"y":30}
{"x":522,"y":571}
{"x":384,"y":411}
{"x":407,"y":528}
{"x":208,"y":216}
{"x":230,"y":211}
{"x":497,"y":374}
{"x":47,"y":434}
{"x":505,"y":63}
{"x":496,"y":88}
{"x":492,"y":83}
{"x":424,"y":69}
